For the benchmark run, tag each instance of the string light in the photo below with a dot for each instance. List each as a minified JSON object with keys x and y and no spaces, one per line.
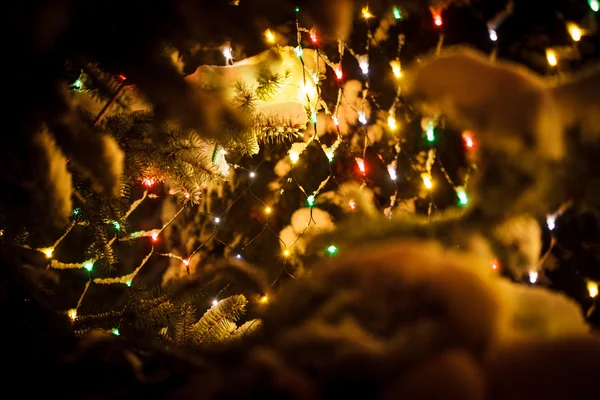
{"x":361,"y":164}
{"x":298,"y":51}
{"x":594,"y":5}
{"x":268,"y":210}
{"x":286,"y":253}
{"x":238,"y":256}
{"x":362,"y":118}
{"x":533,"y":276}
{"x":269,"y":36}
{"x":264,"y":299}
{"x":329,"y":154}
{"x":332,"y":250}
{"x":463,"y":199}
{"x":592,"y":289}
{"x":215,"y":302}
{"x":117,"y":225}
{"x":88,"y":265}
{"x":311,"y":200}
{"x":397,"y":13}
{"x":574,"y":31}
{"x":72,"y":313}
{"x":551,"y":57}
{"x":252,"y":174}
{"x":154,"y":236}
{"x":186,"y":262}
{"x":128,"y":283}
{"x":366,"y":13}
{"x":468,"y":138}
{"x":338,"y":72}
{"x":392,"y":123}
{"x":115,"y":332}
{"x":48,"y":252}
{"x":314,"y":117}
{"x":493,"y":35}
{"x":495,"y":265}
{"x":78,"y":84}
{"x":336,"y":121}
{"x":427,"y":180}
{"x":396,"y":68}
{"x":313,"y":36}
{"x":217,"y":220}
{"x":76,"y":211}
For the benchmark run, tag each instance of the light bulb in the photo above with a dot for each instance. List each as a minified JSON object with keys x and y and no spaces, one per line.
{"x":217,"y":220}
{"x":533,"y":276}
{"x":154,"y":236}
{"x":396,"y":68}
{"x":362,"y":118}
{"x":215,"y":302}
{"x":468,"y":138}
{"x":397,"y":13}
{"x":427,"y":180}
{"x":72,"y":313}
{"x":336,"y":121}
{"x":392,"y":171}
{"x":269,"y":36}
{"x":392,"y":123}
{"x":286,"y":253}
{"x":264,"y":299}
{"x":493,"y":35}
{"x":332,"y":249}
{"x":551,"y":57}
{"x":364,"y":65}
{"x":366,"y":13}
{"x":227,"y":54}
{"x":252,"y":174}
{"x":298,"y":51}
{"x":594,"y":5}
{"x":238,"y":256}
{"x":592,"y":289}
{"x":116,"y":332}
{"x":268,"y":210}
{"x":361,"y":164}
{"x":128,"y":283}
{"x":294,"y":156}
{"x":575,"y":32}
{"x":311,"y":200}
{"x":186,"y":262}
{"x":48,"y":252}
{"x":89,"y":265}
{"x":551,"y":222}
{"x":338,"y":72}
{"x":463,"y":199}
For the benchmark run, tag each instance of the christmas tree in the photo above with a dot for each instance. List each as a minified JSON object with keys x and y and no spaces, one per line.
{"x":303,"y":199}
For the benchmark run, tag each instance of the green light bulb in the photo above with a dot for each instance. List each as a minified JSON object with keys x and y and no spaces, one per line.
{"x":128,"y":283}
{"x":297,"y":9}
{"x":89,"y":265}
{"x":117,"y":225}
{"x":115,"y":332}
{"x":397,"y":13}
{"x":430,"y":132}
{"x":311,"y":200}
{"x":332,"y":249}
{"x":462,"y":197}
{"x":594,"y":5}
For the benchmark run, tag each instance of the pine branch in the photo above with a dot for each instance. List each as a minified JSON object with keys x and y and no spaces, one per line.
{"x":218,"y":322}
{"x":245,"y":98}
{"x":185,"y":333}
{"x":269,"y":83}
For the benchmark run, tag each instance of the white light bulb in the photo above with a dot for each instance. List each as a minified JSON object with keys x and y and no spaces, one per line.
{"x":533,"y":276}
{"x":362,"y":118}
{"x":493,"y":35}
{"x":215,"y":302}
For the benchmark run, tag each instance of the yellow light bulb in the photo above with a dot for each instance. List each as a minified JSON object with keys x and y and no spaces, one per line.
{"x":427,"y":181}
{"x":268,"y":210}
{"x":264,"y":299}
{"x":72,"y":313}
{"x":294,"y":157}
{"x":269,"y":36}
{"x":366,"y":13}
{"x":575,"y":32}
{"x":592,"y":289}
{"x":48,"y":252}
{"x":286,"y":253}
{"x":392,"y":123}
{"x":551,"y":57}
{"x":396,"y":68}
